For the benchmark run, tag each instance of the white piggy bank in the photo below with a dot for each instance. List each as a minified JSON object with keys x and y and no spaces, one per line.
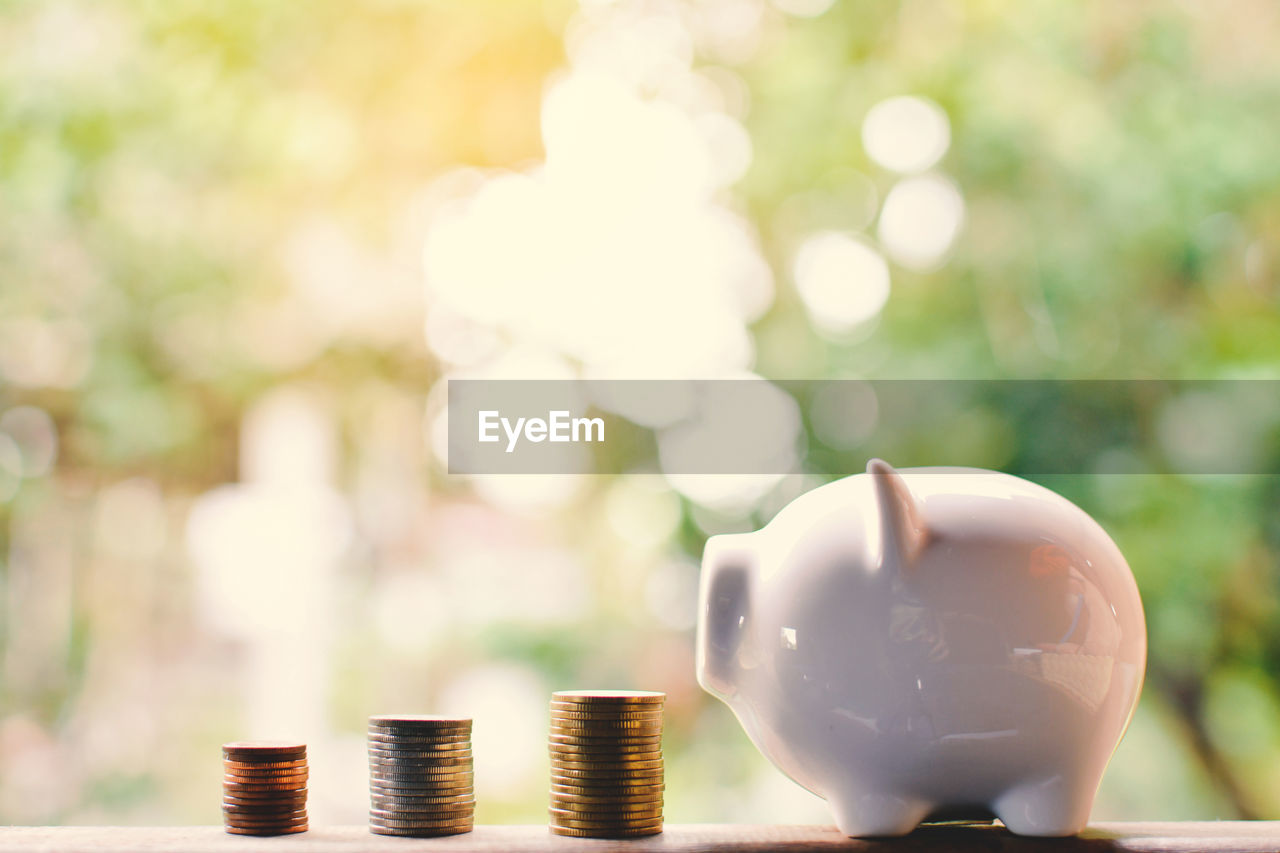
{"x":927,"y":642}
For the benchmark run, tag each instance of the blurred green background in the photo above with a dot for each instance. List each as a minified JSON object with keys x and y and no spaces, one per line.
{"x":242,"y":243}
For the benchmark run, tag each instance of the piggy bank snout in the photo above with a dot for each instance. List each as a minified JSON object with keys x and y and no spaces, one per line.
{"x":725,"y":604}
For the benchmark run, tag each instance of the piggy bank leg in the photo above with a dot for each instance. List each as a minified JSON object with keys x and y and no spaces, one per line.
{"x":861,"y":814}
{"x":1058,"y":805}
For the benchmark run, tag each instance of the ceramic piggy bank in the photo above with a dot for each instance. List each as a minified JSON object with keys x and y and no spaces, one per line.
{"x":928,"y":642}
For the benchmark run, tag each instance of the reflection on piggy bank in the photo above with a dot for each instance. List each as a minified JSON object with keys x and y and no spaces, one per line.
{"x":927,"y":642}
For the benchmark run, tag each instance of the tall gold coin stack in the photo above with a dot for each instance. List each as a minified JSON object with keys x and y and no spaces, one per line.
{"x":421,"y":781}
{"x":264,"y":787}
{"x":606,"y":763}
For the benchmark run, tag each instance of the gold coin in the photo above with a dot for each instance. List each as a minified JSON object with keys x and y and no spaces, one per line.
{"x":284,"y":830}
{"x":605,"y":823}
{"x":605,"y":740}
{"x":579,"y":752}
{"x":607,"y":712}
{"x":590,"y":712}
{"x":600,"y":772}
{"x":604,"y":833}
{"x":585,"y":811}
{"x":621,"y":727}
{"x":612,"y":764}
{"x":609,"y":697}
{"x":600,"y":756}
{"x":607,"y":790}
{"x":605,"y":799}
{"x":582,"y":811}
{"x":569,"y":785}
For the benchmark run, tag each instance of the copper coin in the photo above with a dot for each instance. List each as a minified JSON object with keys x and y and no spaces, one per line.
{"x":265,"y":775}
{"x":275,"y":785}
{"x":230,"y":764}
{"x":238,"y":804}
{"x":259,"y":806}
{"x":260,"y":791}
{"x":289,"y":830}
{"x":250,"y":820}
{"x":264,"y":748}
{"x":265,"y":782}
{"x":279,"y":815}
{"x":250,"y":793}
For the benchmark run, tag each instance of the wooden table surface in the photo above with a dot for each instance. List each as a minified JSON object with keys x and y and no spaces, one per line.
{"x":1218,"y":837}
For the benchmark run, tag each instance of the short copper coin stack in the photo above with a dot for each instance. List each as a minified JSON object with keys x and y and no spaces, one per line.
{"x":264,"y":787}
{"x":606,"y":763}
{"x":421,"y":781}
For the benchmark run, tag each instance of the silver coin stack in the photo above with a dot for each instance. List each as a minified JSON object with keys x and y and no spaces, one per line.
{"x":421,"y":780}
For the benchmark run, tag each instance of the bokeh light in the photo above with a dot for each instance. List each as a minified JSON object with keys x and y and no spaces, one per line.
{"x":920,"y":220}
{"x":843,"y":281}
{"x":906,"y":133}
{"x":246,"y":247}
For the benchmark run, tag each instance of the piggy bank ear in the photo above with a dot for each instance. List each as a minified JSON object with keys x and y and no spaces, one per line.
{"x":903,"y":534}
